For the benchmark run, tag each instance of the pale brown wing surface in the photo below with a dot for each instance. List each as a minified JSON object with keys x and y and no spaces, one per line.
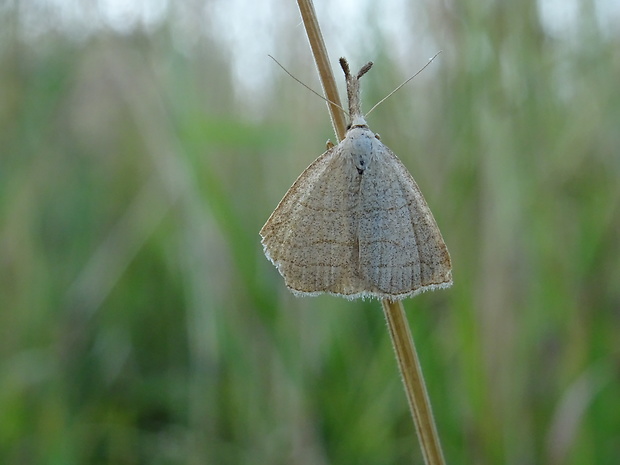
{"x":311,"y":235}
{"x":401,"y":250}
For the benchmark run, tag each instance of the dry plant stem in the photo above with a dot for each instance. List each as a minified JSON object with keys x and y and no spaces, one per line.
{"x":394,"y":312}
{"x":321,"y":59}
{"x":413,"y":380}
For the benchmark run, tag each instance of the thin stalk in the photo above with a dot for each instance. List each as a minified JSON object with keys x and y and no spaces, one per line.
{"x":415,"y":388}
{"x":321,"y":58}
{"x":406,"y":356}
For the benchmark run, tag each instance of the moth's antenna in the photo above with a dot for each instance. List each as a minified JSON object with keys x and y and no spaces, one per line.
{"x":311,"y":90}
{"x":390,"y":94}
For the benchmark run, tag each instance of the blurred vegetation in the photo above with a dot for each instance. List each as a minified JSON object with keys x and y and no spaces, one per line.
{"x":141,"y":324}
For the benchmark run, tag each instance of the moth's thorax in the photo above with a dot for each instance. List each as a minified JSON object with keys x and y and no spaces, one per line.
{"x":362,"y":146}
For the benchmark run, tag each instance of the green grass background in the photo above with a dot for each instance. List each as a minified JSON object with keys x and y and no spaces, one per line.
{"x":140,"y":322}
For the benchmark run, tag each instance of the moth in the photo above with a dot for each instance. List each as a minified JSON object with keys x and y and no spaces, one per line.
{"x":354,"y":223}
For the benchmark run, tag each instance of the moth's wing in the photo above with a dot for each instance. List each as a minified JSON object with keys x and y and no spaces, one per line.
{"x":311,"y":237}
{"x":401,"y":250}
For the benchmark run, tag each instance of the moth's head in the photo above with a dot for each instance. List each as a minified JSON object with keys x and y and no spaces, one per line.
{"x":357,"y":121}
{"x":353,"y":91}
